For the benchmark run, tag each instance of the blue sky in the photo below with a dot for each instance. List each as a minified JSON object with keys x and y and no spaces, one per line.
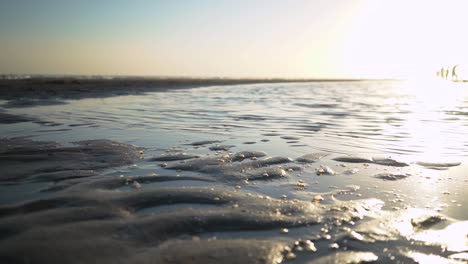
{"x":328,"y":38}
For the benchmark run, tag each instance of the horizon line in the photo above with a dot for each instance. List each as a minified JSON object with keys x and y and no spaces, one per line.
{"x":13,"y":76}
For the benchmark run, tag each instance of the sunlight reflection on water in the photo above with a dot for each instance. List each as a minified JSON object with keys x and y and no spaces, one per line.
{"x":421,"y":123}
{"x":430,"y":117}
{"x":423,"y":120}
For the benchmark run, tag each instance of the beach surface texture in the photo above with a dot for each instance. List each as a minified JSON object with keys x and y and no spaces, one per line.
{"x":164,"y":170}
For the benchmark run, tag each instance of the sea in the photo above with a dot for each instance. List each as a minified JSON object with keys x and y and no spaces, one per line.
{"x":332,"y":171}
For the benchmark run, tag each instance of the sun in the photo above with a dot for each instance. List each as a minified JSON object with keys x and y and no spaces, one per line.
{"x":406,"y":39}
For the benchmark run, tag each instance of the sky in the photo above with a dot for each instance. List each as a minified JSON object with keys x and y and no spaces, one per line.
{"x":242,"y":38}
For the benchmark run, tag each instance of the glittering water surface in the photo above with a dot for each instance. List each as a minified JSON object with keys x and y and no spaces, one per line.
{"x":395,"y":118}
{"x":403,"y":143}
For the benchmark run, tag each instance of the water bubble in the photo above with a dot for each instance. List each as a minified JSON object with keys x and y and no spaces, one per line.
{"x":334,"y":246}
{"x":136,"y":185}
{"x":290,"y":256}
{"x":317,"y":198}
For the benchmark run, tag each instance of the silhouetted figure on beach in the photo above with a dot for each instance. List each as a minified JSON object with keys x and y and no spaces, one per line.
{"x":454,"y":73}
{"x":446,"y":73}
{"x":442,"y":73}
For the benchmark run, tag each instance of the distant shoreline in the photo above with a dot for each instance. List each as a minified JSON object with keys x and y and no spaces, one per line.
{"x":78,"y":87}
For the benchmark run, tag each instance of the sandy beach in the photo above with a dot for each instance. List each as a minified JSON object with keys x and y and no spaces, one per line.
{"x":258,"y":132}
{"x":221,"y":171}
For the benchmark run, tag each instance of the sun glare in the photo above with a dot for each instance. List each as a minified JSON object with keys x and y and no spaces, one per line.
{"x":426,"y":104}
{"x":405,"y":39}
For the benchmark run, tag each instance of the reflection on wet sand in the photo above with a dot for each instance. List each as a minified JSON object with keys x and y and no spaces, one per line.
{"x":140,"y":221}
{"x":169,"y":177}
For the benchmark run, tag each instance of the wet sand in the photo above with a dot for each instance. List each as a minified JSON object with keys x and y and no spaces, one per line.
{"x":84,"y":217}
{"x":215,"y":199}
{"x":45,"y":88}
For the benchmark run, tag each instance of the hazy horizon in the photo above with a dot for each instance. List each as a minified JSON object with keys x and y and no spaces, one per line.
{"x":175,"y":77}
{"x":334,"y":39}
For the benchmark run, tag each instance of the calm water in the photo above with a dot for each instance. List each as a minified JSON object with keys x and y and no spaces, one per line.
{"x":408,"y":121}
{"x":415,"y":120}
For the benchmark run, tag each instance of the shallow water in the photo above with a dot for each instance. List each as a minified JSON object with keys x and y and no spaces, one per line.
{"x":403,"y":143}
{"x":396,"y":118}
